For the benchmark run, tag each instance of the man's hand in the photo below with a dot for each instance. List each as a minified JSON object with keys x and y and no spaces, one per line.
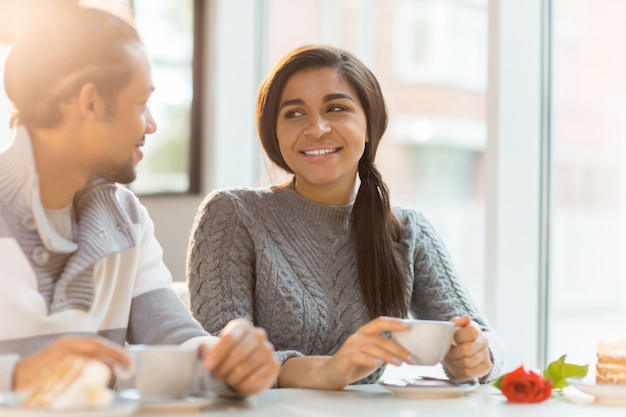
{"x":29,"y":368}
{"x":243,"y":358}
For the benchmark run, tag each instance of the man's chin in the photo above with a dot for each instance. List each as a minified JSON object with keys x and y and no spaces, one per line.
{"x":122,"y":178}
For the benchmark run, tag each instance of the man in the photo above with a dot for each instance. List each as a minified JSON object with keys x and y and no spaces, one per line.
{"x":80,"y":268}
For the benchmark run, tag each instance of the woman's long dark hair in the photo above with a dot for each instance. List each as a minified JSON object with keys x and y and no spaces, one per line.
{"x":374,"y":228}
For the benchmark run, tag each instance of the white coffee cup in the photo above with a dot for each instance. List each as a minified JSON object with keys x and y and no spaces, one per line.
{"x":427,"y":340}
{"x":159,"y":371}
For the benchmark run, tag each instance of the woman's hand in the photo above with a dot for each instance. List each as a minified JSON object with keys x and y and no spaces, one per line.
{"x":365,"y":351}
{"x":361,"y":354}
{"x":29,"y":369}
{"x":243,"y":358}
{"x":470,"y":357}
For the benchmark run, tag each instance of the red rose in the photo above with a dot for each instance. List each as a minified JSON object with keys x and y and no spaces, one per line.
{"x":525,"y":386}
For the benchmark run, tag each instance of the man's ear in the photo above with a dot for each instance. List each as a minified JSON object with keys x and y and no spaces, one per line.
{"x":90,"y":102}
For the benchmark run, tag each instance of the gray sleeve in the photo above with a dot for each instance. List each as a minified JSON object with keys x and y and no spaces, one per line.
{"x":7,"y":366}
{"x":439,"y":294}
{"x":220,"y":265}
{"x":160,"y":317}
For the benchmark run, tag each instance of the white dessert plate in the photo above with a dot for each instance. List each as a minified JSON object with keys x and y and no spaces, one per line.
{"x":425,"y":388}
{"x":183,"y":405}
{"x":124,"y":404}
{"x":604,"y":393}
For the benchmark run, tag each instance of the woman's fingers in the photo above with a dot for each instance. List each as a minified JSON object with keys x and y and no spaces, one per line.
{"x":379,"y":352}
{"x":475,"y":366}
{"x":384,"y":324}
{"x":373,"y":348}
{"x":470,"y":357}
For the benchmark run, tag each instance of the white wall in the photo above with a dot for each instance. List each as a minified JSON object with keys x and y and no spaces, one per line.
{"x":173,"y":217}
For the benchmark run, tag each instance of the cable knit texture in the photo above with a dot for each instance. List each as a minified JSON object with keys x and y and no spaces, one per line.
{"x":111,"y":281}
{"x":289,"y":265}
{"x":64,"y":269}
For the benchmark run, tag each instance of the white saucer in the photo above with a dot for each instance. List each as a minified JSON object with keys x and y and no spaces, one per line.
{"x":422,"y":388}
{"x":182,"y":405}
{"x":612,"y":394}
{"x":123,"y":405}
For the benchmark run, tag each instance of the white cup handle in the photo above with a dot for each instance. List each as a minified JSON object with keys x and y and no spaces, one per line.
{"x":125,"y":371}
{"x":454,"y":343}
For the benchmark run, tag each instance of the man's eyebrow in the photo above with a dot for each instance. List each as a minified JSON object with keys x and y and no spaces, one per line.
{"x":146,"y":89}
{"x":328,"y":97}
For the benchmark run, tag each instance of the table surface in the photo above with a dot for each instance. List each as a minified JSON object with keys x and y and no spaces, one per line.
{"x":375,"y":400}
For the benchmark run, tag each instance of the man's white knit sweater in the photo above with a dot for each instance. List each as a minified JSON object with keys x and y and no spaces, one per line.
{"x":110,"y":280}
{"x":288,"y":264}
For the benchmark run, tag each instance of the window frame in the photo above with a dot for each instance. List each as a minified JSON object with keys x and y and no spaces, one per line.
{"x":196,"y":110}
{"x":517,"y":178}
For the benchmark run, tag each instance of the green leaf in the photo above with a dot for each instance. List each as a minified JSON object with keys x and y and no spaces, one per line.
{"x":498,"y":382}
{"x":558,"y":371}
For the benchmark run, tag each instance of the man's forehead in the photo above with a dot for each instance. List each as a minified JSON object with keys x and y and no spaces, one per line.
{"x":142,"y":79}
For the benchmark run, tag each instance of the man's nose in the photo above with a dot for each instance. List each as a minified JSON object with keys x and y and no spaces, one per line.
{"x":151,"y":125}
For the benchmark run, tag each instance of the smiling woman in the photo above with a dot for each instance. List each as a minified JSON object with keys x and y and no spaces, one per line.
{"x":327,"y":266}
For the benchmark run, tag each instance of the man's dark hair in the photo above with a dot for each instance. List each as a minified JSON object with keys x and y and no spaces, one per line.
{"x":51,"y":60}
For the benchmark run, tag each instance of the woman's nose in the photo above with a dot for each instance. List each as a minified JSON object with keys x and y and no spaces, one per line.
{"x":317,"y":127}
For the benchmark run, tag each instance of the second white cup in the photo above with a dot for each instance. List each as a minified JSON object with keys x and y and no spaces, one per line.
{"x":428,"y":340}
{"x":159,"y":371}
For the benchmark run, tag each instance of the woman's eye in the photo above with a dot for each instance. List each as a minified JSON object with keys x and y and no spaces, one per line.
{"x":336,"y":108}
{"x":293,"y":113}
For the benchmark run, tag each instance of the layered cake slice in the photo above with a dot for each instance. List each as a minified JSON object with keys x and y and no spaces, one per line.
{"x":611,"y":362}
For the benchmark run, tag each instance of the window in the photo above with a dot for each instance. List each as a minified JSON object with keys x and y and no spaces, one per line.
{"x":441,"y":42}
{"x":588,"y":223}
{"x":172,"y":33}
{"x":167,"y":29}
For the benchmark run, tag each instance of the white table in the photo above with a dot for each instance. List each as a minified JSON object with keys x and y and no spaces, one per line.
{"x":374,"y":400}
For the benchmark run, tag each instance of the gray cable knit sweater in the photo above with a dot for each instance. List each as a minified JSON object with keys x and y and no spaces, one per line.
{"x":288,"y":264}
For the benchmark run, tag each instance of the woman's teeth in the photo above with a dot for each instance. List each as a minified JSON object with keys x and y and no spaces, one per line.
{"x":319,"y":152}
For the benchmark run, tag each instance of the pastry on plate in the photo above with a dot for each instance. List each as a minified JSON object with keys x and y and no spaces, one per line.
{"x":611,"y":362}
{"x":72,"y":383}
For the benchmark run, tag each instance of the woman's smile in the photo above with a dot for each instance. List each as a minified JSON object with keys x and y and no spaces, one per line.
{"x":321,"y":152}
